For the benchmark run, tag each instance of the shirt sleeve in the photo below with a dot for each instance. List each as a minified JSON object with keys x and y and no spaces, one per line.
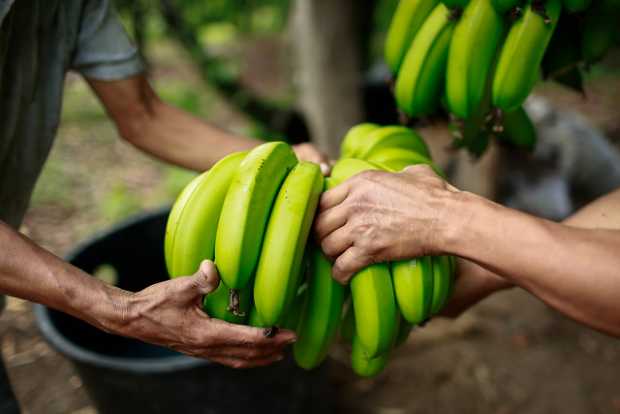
{"x":103,"y":50}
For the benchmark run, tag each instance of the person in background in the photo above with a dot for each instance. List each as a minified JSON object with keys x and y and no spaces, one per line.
{"x":40,"y":40}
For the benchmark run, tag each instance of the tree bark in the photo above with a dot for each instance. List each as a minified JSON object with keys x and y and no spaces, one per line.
{"x":328,"y":62}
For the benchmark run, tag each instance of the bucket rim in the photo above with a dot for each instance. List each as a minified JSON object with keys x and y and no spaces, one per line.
{"x":85,"y":356}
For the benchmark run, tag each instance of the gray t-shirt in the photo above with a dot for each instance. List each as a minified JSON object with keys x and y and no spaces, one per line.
{"x":40,"y":40}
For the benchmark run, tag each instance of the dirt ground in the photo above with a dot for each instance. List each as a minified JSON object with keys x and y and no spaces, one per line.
{"x":509,"y":354}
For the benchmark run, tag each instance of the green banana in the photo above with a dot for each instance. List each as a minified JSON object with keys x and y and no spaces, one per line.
{"x":442,"y":283}
{"x":246,"y":210}
{"x":255,"y":320}
{"x":562,"y":62}
{"x":473,"y":48}
{"x":173,"y":218}
{"x":366,"y":365}
{"x":279,"y":266}
{"x":397,"y":159}
{"x":504,"y":6}
{"x":321,"y":314}
{"x":413,"y":286}
{"x":354,"y":138}
{"x":372,"y":292}
{"x":363,"y":365}
{"x":599,"y":25}
{"x":392,"y":137}
{"x":518,"y":129}
{"x":193,"y":220}
{"x":293,"y":314}
{"x":452,"y":4}
{"x":520,"y":58}
{"x":421,"y":78}
{"x":191,"y":229}
{"x":575,"y":6}
{"x":407,"y":20}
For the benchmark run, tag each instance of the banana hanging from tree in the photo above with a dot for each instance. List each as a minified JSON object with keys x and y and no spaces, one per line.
{"x":518,"y":129}
{"x":422,"y":76}
{"x":246,"y":210}
{"x":279,"y":266}
{"x":522,"y":53}
{"x":320,"y":317}
{"x":372,"y":292}
{"x":407,"y":20}
{"x":191,"y":229}
{"x":599,"y":25}
{"x":413,"y":285}
{"x":575,"y":6}
{"x":473,"y":48}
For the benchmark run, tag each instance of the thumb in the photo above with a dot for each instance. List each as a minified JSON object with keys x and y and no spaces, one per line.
{"x":206,"y":279}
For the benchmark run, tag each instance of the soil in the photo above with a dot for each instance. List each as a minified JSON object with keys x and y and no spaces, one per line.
{"x":509,"y":354}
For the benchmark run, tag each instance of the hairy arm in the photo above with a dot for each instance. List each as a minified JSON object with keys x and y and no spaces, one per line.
{"x":171,"y":134}
{"x":168,"y":313}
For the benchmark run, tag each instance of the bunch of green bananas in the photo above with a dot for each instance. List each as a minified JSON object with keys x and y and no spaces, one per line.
{"x":418,"y":287}
{"x":480,"y":59}
{"x":251,"y":213}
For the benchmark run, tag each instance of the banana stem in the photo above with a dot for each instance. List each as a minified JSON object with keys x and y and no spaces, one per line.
{"x":498,"y":121}
{"x":539,"y":7}
{"x":234,"y":303}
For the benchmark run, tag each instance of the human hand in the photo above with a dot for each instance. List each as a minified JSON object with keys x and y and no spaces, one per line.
{"x":378,"y":216}
{"x":309,"y":152}
{"x":170,"y":314}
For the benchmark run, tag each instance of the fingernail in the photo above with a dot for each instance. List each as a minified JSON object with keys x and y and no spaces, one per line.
{"x":324,"y":168}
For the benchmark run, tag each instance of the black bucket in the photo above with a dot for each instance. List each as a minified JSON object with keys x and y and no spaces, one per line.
{"x":123,"y":375}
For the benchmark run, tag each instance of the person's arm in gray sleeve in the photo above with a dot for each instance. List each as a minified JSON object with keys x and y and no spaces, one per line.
{"x":112,"y":67}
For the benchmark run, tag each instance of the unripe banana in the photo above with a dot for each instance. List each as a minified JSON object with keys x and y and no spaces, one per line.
{"x":413,"y":285}
{"x":355,"y":138}
{"x":392,"y":137}
{"x":473,"y":48}
{"x":442,"y":283}
{"x":407,"y":20}
{"x":321,"y":315}
{"x":452,"y":4}
{"x":191,"y":230}
{"x":403,"y":332}
{"x":518,"y":129}
{"x":293,"y":314}
{"x":599,"y":26}
{"x":279,"y":266}
{"x":520,"y":58}
{"x":255,"y":320}
{"x":397,"y":159}
{"x":193,"y":220}
{"x":504,"y":6}
{"x":422,"y":76}
{"x":372,"y":292}
{"x":365,"y":365}
{"x":574,"y":6}
{"x":362,"y":364}
{"x":246,"y":210}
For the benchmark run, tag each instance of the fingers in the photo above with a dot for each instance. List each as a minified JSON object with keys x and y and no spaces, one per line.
{"x":228,"y":334}
{"x":350,"y":262}
{"x":337,"y":242}
{"x":239,"y":363}
{"x":329,"y":221}
{"x":334,"y":196}
{"x":206,"y":279}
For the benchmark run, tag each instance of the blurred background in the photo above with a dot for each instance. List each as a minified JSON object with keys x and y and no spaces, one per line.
{"x":298,"y":70}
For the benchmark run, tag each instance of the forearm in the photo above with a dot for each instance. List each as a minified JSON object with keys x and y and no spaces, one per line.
{"x":572,"y":269}
{"x":29,"y":272}
{"x":182,"y":139}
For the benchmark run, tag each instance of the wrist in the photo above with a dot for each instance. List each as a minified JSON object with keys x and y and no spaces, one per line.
{"x":113,"y":314}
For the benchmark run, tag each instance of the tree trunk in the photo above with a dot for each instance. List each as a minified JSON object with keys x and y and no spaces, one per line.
{"x":328,"y":62}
